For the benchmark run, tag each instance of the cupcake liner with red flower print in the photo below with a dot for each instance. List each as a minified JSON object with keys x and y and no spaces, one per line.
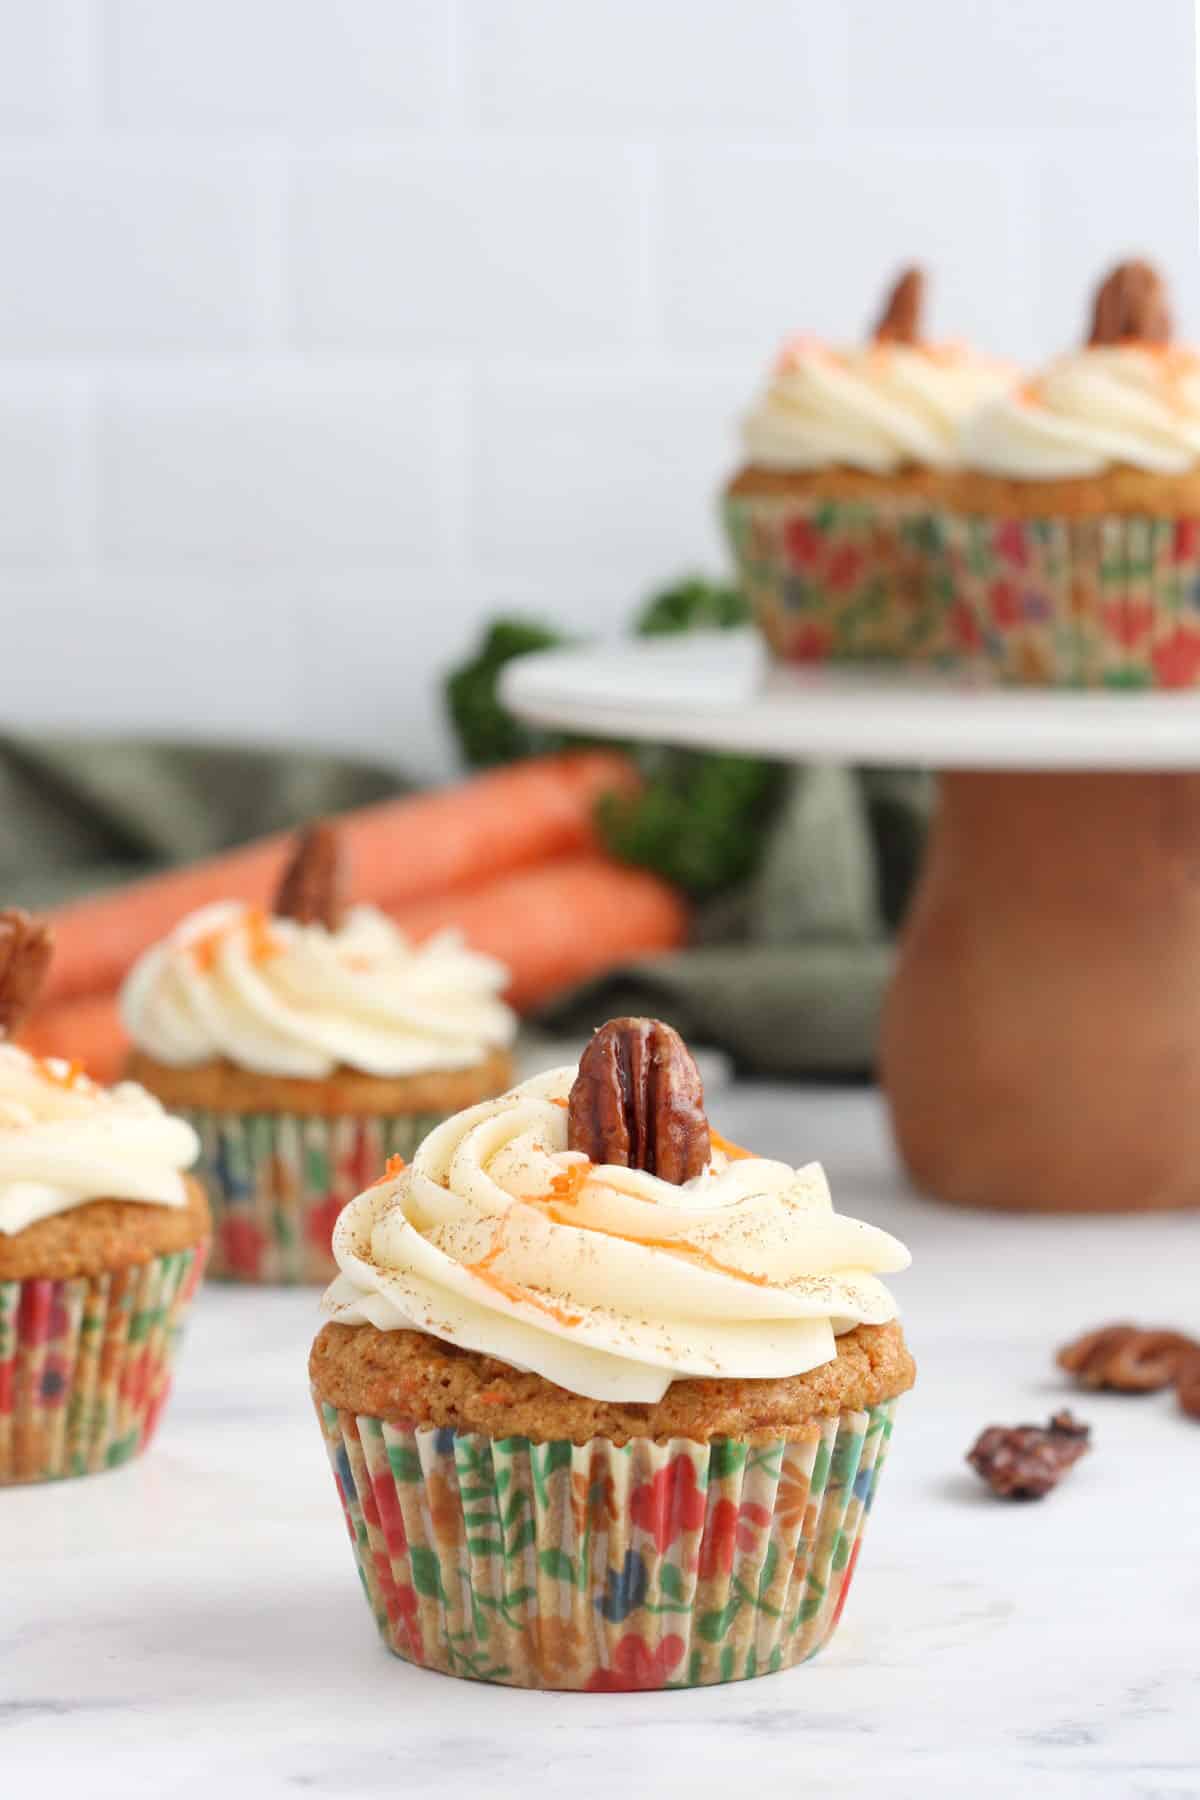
{"x":276,"y":1182}
{"x":842,"y":579}
{"x":1111,"y":601}
{"x":85,"y":1365}
{"x":599,"y":1567}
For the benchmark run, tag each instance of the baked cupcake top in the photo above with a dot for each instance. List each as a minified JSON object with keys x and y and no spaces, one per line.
{"x":1128,"y":397}
{"x":589,"y":1228}
{"x":311,"y":987}
{"x":65,"y":1141}
{"x":894,"y":401}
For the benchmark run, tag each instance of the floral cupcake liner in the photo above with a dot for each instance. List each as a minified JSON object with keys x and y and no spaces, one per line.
{"x":1109,"y":601}
{"x":833,"y":579}
{"x":276,"y":1183}
{"x":592,"y":1566}
{"x":85,"y":1365}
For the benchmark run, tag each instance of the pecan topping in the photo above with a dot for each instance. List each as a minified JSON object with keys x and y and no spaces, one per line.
{"x":638,"y":1101}
{"x":1187,"y":1387}
{"x":311,"y":891}
{"x":1023,"y":1462}
{"x":1131,"y":307}
{"x":900,"y":320}
{"x":26,"y":946}
{"x":1126,"y":1358}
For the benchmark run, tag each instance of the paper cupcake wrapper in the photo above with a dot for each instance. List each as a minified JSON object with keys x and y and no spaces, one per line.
{"x":276,"y":1183}
{"x":597,"y":1567}
{"x":85,"y":1365}
{"x":1100,"y":602}
{"x":833,"y":579}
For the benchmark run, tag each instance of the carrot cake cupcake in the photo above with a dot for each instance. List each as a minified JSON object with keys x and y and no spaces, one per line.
{"x":306,"y":1047}
{"x":606,"y":1398}
{"x":1072,"y":533}
{"x":102,"y":1241}
{"x":831,"y":516}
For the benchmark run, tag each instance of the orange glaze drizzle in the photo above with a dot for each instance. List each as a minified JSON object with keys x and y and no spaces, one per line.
{"x":556,"y":1101}
{"x":513,"y":1290}
{"x":73,"y":1076}
{"x":261,"y":941}
{"x":734,"y":1152}
{"x":566,"y":1186}
{"x":394,"y":1166}
{"x":673,"y":1246}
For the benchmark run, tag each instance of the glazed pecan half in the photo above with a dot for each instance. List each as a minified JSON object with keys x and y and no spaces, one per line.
{"x":1131,"y":307}
{"x":638,"y":1101}
{"x":26,"y":947}
{"x":900,"y":320}
{"x":1129,"y":1359}
{"x":312,"y":887}
{"x":1023,"y":1462}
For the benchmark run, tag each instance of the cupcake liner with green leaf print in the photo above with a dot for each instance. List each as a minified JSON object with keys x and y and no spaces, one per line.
{"x":832,"y":579}
{"x":603,"y":1567}
{"x":277,"y":1181}
{"x":1105,"y":601}
{"x":85,"y":1365}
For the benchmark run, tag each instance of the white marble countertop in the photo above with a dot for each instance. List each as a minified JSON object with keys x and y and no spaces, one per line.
{"x":191,"y":1625}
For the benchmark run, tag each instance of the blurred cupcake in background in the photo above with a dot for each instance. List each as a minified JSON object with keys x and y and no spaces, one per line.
{"x":833,"y":515}
{"x":1073,"y":531}
{"x":102,"y":1242}
{"x":307,"y":1047}
{"x":606,"y":1398}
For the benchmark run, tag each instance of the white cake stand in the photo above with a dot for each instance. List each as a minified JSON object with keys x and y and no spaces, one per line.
{"x":1041,"y":1037}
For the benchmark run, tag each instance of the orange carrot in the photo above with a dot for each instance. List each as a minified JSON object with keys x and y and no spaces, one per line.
{"x":399,"y":851}
{"x":553,"y":926}
{"x":559,"y":923}
{"x":86,"y":1031}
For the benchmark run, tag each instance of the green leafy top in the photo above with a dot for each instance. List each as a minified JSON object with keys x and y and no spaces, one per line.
{"x":699,"y":818}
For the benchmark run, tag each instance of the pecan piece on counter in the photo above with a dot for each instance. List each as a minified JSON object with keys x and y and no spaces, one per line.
{"x":1129,"y":1359}
{"x":312,"y":888}
{"x":1187,"y":1384}
{"x":1131,"y":307}
{"x":1023,"y":1462}
{"x":26,"y":947}
{"x":900,"y":320}
{"x":638,"y":1101}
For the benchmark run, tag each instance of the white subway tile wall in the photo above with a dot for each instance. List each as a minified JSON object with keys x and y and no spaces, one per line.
{"x":330,"y":327}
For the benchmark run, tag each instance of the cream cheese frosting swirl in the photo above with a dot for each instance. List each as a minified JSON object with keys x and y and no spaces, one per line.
{"x":1130,"y":403}
{"x":608,"y":1281}
{"x":276,"y":997}
{"x":874,"y":408}
{"x":65,"y":1141}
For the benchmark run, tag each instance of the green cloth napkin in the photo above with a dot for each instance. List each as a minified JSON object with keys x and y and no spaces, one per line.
{"x":786,"y":974}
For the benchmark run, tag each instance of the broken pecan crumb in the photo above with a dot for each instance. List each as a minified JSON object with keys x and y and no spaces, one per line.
{"x":1130,"y":1359}
{"x":26,"y":947}
{"x":638,"y":1101}
{"x":311,"y":890}
{"x":1131,"y":307}
{"x":1023,"y":1462}
{"x":900,"y":320}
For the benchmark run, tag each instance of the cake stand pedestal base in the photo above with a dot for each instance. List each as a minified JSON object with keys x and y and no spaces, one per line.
{"x":1041,"y":1040}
